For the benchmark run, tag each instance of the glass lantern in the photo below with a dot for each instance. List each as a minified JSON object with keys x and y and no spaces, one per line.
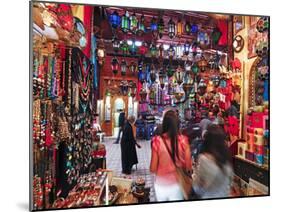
{"x":161,"y":27}
{"x":123,"y":67}
{"x":171,"y":29}
{"x":179,"y":28}
{"x":154,"y":27}
{"x":162,"y":77}
{"x":152,"y":74}
{"x":101,"y":52}
{"x":133,"y":68}
{"x":187,"y":27}
{"x":179,"y":75}
{"x":194,"y":28}
{"x":143,"y":49}
{"x":114,"y":65}
{"x":125,"y":22}
{"x":170,"y":71}
{"x":153,"y":50}
{"x":141,"y":27}
{"x":179,"y":51}
{"x":115,"y":44}
{"x":133,"y":48}
{"x":115,"y":20}
{"x":124,"y":47}
{"x":133,"y":23}
{"x":171,"y":52}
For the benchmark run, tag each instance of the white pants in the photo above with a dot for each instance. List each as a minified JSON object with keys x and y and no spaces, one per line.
{"x":168,"y":192}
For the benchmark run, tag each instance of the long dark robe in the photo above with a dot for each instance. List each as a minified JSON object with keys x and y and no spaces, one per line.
{"x":128,"y":149}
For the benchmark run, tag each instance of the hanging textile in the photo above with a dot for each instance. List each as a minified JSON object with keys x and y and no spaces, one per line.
{"x":94,"y":61}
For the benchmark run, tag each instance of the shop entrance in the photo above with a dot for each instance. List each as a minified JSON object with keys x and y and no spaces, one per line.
{"x":119,"y":105}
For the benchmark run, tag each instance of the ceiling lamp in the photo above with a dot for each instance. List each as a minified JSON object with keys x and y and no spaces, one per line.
{"x":114,"y":65}
{"x":123,"y":67}
{"x":179,"y":28}
{"x":171,"y":29}
{"x":115,"y":20}
{"x":141,"y":27}
{"x":125,"y":22}
{"x":133,"y":23}
{"x":161,"y":27}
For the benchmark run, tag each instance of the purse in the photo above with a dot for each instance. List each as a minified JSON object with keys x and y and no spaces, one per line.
{"x":184,"y":176}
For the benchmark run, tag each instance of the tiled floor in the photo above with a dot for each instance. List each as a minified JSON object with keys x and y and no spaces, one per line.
{"x":113,"y":161}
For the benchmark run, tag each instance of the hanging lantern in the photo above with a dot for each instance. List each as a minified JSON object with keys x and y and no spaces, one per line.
{"x":123,"y":67}
{"x":143,"y":49}
{"x":202,"y":86}
{"x":124,"y":47}
{"x":125,"y":22}
{"x":171,"y":29}
{"x":187,"y":27}
{"x":194,"y":68}
{"x":115,"y":44}
{"x":161,"y":27}
{"x":153,"y":50}
{"x":170,"y":71}
{"x":114,"y":65}
{"x":133,"y":68}
{"x":187,"y":66}
{"x":171,"y":52}
{"x":141,"y":27}
{"x":216,"y":81}
{"x":187,"y":88}
{"x":132,"y":89}
{"x":186,"y":48}
{"x":133,"y":23}
{"x":179,"y":75}
{"x":133,"y":48}
{"x":203,"y":64}
{"x":115,"y":20}
{"x":154,"y":27}
{"x":161,"y":51}
{"x":216,"y":35}
{"x":179,"y":51}
{"x":143,"y":95}
{"x":124,"y":87}
{"x":194,"y":28}
{"x":101,"y":52}
{"x":162,"y":77}
{"x":153,"y":74}
{"x":179,"y":28}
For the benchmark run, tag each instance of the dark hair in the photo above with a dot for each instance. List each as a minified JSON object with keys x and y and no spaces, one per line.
{"x":171,"y":127}
{"x":214,"y":144}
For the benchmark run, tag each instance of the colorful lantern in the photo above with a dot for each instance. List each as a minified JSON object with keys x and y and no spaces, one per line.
{"x":114,"y":65}
{"x":179,"y":75}
{"x":153,"y":74}
{"x":101,"y":52}
{"x":123,"y":67}
{"x":179,"y":51}
{"x":143,"y":49}
{"x":153,"y":50}
{"x":132,"y":89}
{"x":161,"y":51}
{"x":154,"y":27}
{"x":216,"y":35}
{"x":194,"y":68}
{"x":187,"y":66}
{"x":133,"y":23}
{"x":115,"y":44}
{"x":194,"y":28}
{"x":179,"y":28}
{"x":161,"y":27}
{"x":133,"y":68}
{"x":115,"y":20}
{"x":124,"y":47}
{"x":133,"y":48}
{"x":186,"y":48}
{"x":171,"y":29}
{"x":141,"y":27}
{"x":203,"y":64}
{"x":162,"y":77}
{"x":170,"y":71}
{"x":187,"y":27}
{"x":125,"y":22}
{"x":124,"y":87}
{"x":171,"y":52}
{"x":143,"y":95}
{"x":202,"y":86}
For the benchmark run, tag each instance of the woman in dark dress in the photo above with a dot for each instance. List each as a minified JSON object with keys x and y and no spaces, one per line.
{"x":128,"y":149}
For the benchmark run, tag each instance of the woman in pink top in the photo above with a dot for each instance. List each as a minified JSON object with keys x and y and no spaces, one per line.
{"x":166,"y":185}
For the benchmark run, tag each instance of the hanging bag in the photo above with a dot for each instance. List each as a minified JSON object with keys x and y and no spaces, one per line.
{"x":184,"y":176}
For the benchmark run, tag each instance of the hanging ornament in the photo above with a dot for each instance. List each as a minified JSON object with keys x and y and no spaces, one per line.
{"x":179,"y":75}
{"x":133,"y":23}
{"x":143,"y":49}
{"x":186,"y":48}
{"x":171,"y":52}
{"x":216,"y":81}
{"x":238,"y":43}
{"x":161,"y":27}
{"x":161,"y":51}
{"x":115,"y":44}
{"x":133,"y":48}
{"x":125,"y":22}
{"x":123,"y":67}
{"x":263,"y":24}
{"x":170,"y":71}
{"x":154,"y":27}
{"x":124,"y":87}
{"x":115,"y":20}
{"x":194,"y":28}
{"x":124,"y":47}
{"x":101,"y":52}
{"x":187,"y":27}
{"x":179,"y":28}
{"x":202,"y":86}
{"x":143,"y":95}
{"x":195,"y":68}
{"x":179,"y":51}
{"x":133,"y":68}
{"x":153,"y":50}
{"x":171,"y":29}
{"x":153,"y":74}
{"x":187,"y":66}
{"x":132,"y":89}
{"x":114,"y":65}
{"x":141,"y":26}
{"x":162,"y":77}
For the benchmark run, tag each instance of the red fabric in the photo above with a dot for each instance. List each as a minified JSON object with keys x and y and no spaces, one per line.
{"x":222,"y":25}
{"x":87,"y":24}
{"x":233,"y":125}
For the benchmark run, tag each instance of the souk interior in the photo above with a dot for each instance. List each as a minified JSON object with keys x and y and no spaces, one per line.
{"x":91,"y":62}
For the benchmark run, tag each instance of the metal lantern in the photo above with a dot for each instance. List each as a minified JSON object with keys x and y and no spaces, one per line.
{"x":203,"y":64}
{"x":161,"y":51}
{"x":195,"y":68}
{"x":161,"y":27}
{"x":143,"y":49}
{"x":133,"y":23}
{"x":186,"y":48}
{"x":124,"y":87}
{"x":179,"y":28}
{"x":153,"y":50}
{"x":101,"y":52}
{"x":115,"y":20}
{"x":152,"y":74}
{"x":179,"y":51}
{"x":143,"y":95}
{"x":123,"y":67}
{"x":125,"y":22}
{"x":178,"y":95}
{"x":187,"y":27}
{"x":179,"y":75}
{"x":162,"y":77}
{"x":141,"y":27}
{"x":194,"y":28}
{"x":171,"y":52}
{"x":133,"y":68}
{"x":114,"y":65}
{"x":133,"y":48}
{"x":115,"y":44}
{"x":132,"y":89}
{"x":170,"y":71}
{"x":171,"y":29}
{"x":124,"y":47}
{"x":154,"y":27}
{"x":187,"y":66}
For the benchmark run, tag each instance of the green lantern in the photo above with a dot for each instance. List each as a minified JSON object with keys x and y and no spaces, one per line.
{"x":170,"y":71}
{"x":195,"y":68}
{"x":161,"y":27}
{"x":141,"y":27}
{"x":133,"y":23}
{"x":153,"y":50}
{"x":124,"y":47}
{"x":125,"y":22}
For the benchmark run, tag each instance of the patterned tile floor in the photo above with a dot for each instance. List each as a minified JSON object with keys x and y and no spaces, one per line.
{"x":113,"y":162}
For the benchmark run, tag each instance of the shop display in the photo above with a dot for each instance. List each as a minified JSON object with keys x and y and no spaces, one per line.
{"x":97,"y":68}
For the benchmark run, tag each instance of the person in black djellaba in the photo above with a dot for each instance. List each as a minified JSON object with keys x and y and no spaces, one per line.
{"x":121,"y":122}
{"x":128,"y":147}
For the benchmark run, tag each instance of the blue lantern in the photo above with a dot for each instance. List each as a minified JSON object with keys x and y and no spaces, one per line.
{"x":115,"y":20}
{"x":194,"y":28}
